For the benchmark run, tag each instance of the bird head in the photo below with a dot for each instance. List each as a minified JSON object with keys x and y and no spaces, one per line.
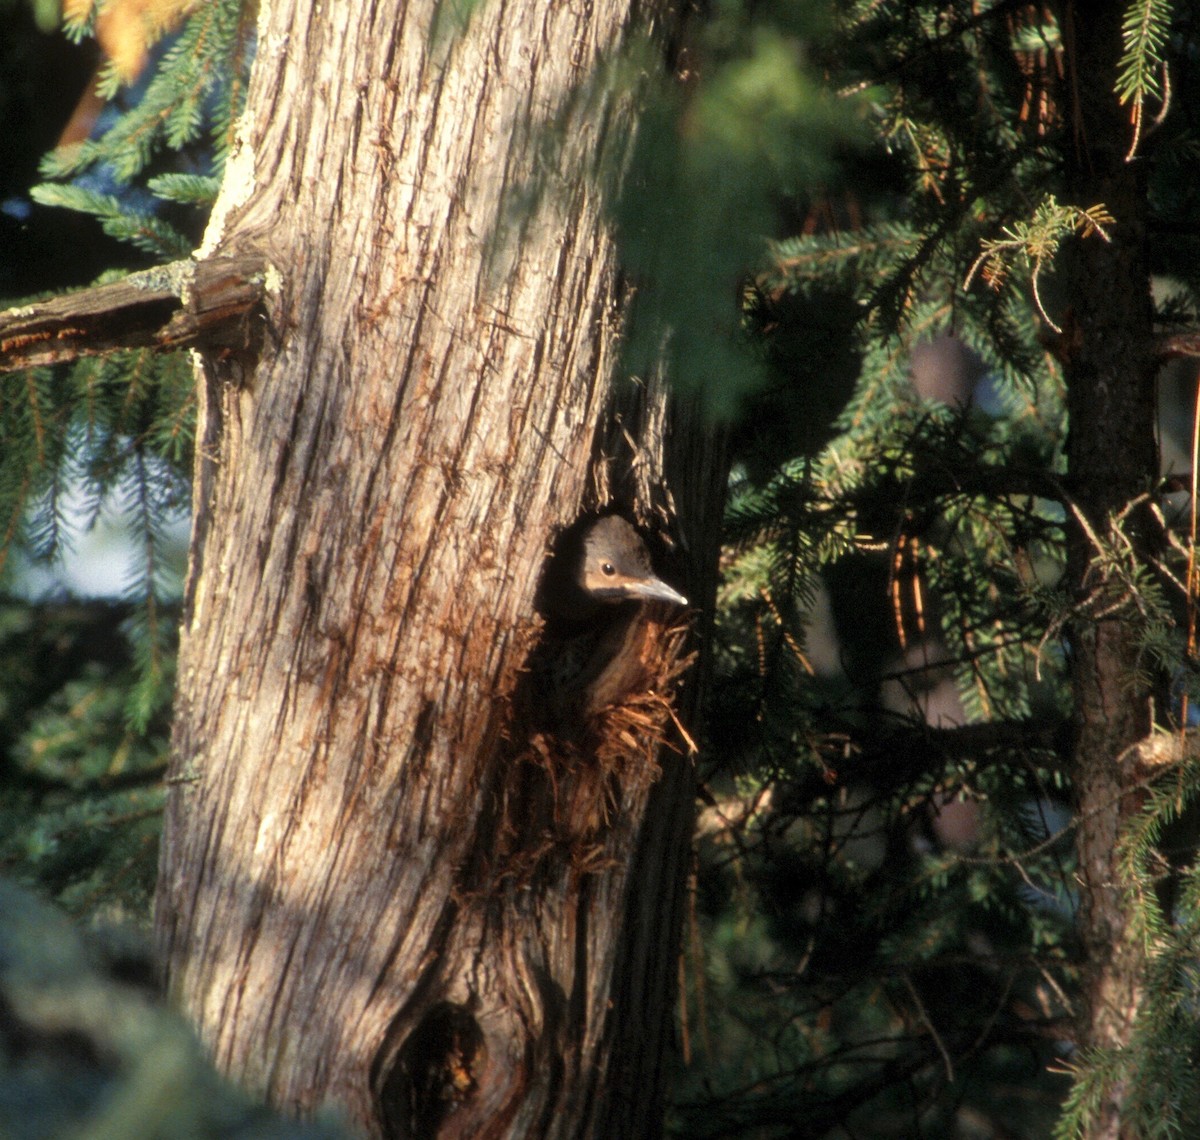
{"x":598,"y":565}
{"x":616,"y":567}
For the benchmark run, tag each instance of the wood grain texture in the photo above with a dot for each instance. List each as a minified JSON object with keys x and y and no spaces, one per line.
{"x":374,"y":503}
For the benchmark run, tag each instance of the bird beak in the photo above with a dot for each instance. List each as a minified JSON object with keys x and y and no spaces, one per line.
{"x":655,"y":590}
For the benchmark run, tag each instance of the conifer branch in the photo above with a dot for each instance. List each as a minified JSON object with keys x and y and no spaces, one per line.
{"x":186,"y":303}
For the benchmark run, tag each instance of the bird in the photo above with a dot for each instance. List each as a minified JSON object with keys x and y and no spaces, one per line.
{"x":599,"y":565}
{"x":587,"y":695}
{"x":592,"y":593}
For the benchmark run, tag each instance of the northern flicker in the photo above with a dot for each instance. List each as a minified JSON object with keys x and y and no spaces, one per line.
{"x":591,"y":597}
{"x":599,"y":567}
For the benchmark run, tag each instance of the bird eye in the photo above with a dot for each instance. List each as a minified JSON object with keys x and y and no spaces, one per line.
{"x":607,"y":569}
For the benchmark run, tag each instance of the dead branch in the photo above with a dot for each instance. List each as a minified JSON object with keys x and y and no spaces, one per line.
{"x":205,"y":303}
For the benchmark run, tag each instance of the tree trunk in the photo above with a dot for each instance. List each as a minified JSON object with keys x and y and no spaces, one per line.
{"x":388,"y":880}
{"x":1112,"y":454}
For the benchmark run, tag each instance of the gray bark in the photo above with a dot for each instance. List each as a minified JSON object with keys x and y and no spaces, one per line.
{"x":383,"y":885}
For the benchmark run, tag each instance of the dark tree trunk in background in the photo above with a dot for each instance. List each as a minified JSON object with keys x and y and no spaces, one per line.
{"x":387,"y":881}
{"x":1113,"y":458}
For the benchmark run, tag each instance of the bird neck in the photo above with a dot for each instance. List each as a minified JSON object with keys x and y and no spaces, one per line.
{"x":574,"y":612}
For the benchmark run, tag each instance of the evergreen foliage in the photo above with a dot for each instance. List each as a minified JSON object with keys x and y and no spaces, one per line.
{"x":1143,"y":72}
{"x":882,"y":937}
{"x":85,"y":747}
{"x":883,"y":934}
